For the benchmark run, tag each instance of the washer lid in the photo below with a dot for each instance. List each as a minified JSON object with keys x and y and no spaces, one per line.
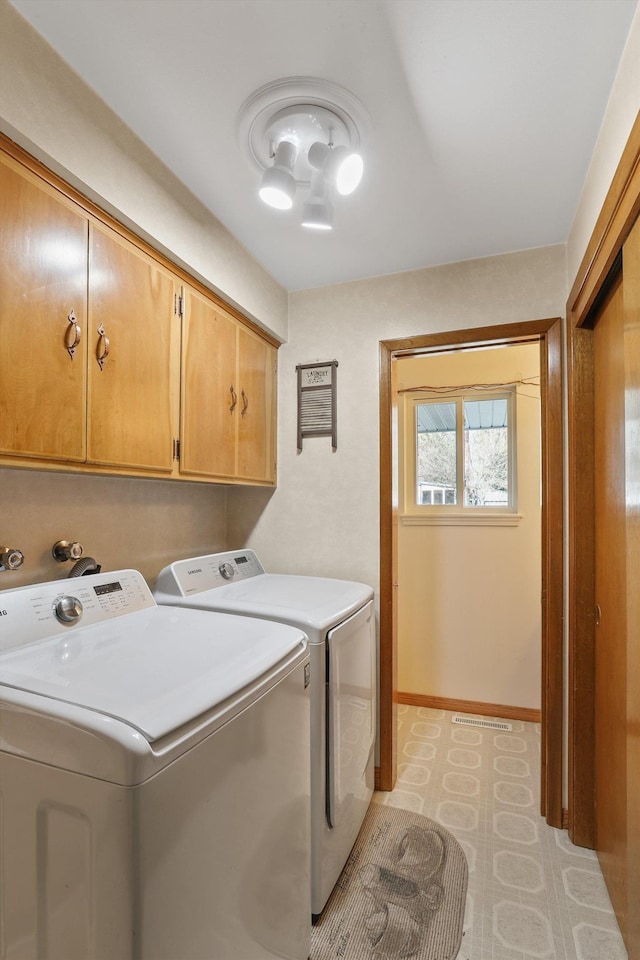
{"x":313,"y":604}
{"x":155,"y":669}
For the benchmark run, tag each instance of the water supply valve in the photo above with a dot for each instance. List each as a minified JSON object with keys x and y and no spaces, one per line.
{"x":66,"y":550}
{"x":10,"y":558}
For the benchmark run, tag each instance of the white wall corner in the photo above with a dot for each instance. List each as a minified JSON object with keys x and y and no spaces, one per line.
{"x":620,"y":115}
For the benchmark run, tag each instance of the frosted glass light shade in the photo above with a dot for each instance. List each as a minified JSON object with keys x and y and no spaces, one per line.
{"x":317,"y":213}
{"x":278,"y":187}
{"x":317,"y":216}
{"x":341,"y":166}
{"x":349,"y":173}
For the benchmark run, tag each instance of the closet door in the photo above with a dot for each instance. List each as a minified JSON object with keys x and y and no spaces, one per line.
{"x":43,"y":295}
{"x":631,"y":272}
{"x":610,"y":653}
{"x":617,"y":561}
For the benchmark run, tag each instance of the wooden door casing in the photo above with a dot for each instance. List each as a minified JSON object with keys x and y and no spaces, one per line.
{"x":613,"y":226}
{"x":614,"y":245}
{"x":548,"y":333}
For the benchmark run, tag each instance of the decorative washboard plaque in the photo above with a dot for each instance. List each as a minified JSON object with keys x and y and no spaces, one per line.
{"x":317,"y":408}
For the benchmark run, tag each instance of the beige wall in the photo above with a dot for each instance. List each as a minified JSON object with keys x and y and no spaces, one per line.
{"x":323,"y":518}
{"x":622,"y":110}
{"x":121,"y":522}
{"x":49,"y":111}
{"x":469,"y":625}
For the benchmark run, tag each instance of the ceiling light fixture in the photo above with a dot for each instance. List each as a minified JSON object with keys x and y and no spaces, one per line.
{"x":317,"y":213}
{"x":304,"y":135}
{"x":341,"y":166}
{"x":278,"y":187}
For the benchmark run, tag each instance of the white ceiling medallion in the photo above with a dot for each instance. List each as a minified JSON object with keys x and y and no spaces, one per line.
{"x":302,"y":132}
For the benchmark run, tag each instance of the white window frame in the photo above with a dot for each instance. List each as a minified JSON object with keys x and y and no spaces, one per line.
{"x":458,"y":514}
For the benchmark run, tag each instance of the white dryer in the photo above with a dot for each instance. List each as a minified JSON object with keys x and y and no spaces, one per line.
{"x":338,"y":618}
{"x":154,"y":772}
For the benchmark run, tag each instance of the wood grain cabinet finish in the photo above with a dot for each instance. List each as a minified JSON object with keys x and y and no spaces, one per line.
{"x":43,"y":282}
{"x":133,"y":349}
{"x":228,"y":396}
{"x":256,"y":420}
{"x":110,"y":361}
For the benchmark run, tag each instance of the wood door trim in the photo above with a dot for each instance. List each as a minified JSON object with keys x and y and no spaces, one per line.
{"x":388,"y":659}
{"x":618,"y":214}
{"x":549,"y":334}
{"x":619,"y":211}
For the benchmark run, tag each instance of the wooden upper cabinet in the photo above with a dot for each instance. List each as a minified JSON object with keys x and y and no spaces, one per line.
{"x":228,"y":396}
{"x":107,"y":363}
{"x":256,"y":422}
{"x":133,"y":356}
{"x":209,"y":389}
{"x":43,"y":294}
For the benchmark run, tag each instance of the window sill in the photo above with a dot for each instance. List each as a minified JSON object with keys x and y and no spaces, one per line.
{"x":461,"y":520}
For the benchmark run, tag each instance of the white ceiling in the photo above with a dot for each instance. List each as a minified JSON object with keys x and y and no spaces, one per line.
{"x":483,"y":114}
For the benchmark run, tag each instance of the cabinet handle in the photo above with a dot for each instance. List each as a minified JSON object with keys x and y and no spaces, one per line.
{"x":234,"y":399}
{"x":72,"y":331}
{"x":102,"y":349}
{"x":245,"y":403}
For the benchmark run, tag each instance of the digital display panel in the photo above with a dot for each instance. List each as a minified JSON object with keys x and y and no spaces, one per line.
{"x":104,"y":588}
{"x":241,"y":559}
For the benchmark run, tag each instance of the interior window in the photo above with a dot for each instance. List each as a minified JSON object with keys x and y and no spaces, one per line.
{"x":463,"y":452}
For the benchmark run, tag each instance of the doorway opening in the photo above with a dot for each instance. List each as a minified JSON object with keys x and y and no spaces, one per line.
{"x":469,"y":633}
{"x":547,"y":333}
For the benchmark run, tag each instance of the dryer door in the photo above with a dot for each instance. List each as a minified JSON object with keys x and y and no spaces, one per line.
{"x":351,"y":714}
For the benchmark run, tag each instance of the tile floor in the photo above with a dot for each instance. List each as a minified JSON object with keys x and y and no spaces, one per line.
{"x":532,"y":893}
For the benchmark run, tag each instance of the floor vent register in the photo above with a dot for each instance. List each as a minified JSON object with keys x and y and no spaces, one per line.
{"x":473,"y":722}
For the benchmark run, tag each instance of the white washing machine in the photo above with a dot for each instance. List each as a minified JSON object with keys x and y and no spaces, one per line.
{"x":338,"y":618}
{"x":154,"y":776}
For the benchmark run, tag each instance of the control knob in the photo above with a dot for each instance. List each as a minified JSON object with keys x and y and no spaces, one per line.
{"x":68,"y":609}
{"x":227,"y":571}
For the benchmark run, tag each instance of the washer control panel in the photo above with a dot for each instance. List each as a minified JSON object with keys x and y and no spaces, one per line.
{"x":34,"y":613}
{"x":187,"y":577}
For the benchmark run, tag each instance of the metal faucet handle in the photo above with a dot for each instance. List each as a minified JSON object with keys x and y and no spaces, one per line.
{"x":10,"y":558}
{"x":66,"y":550}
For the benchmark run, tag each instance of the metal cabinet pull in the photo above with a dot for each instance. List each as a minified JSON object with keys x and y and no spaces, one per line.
{"x":234,"y":399}
{"x":72,"y":334}
{"x":245,"y":403}
{"x":102,"y":349}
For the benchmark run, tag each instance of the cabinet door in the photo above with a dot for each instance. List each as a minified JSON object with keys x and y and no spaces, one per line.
{"x":133,"y":351}
{"x":256,"y":426}
{"x":209,"y":402}
{"x":43,"y":282}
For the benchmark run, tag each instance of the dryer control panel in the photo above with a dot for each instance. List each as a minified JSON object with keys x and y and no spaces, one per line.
{"x":33,"y":613}
{"x":184,"y":578}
